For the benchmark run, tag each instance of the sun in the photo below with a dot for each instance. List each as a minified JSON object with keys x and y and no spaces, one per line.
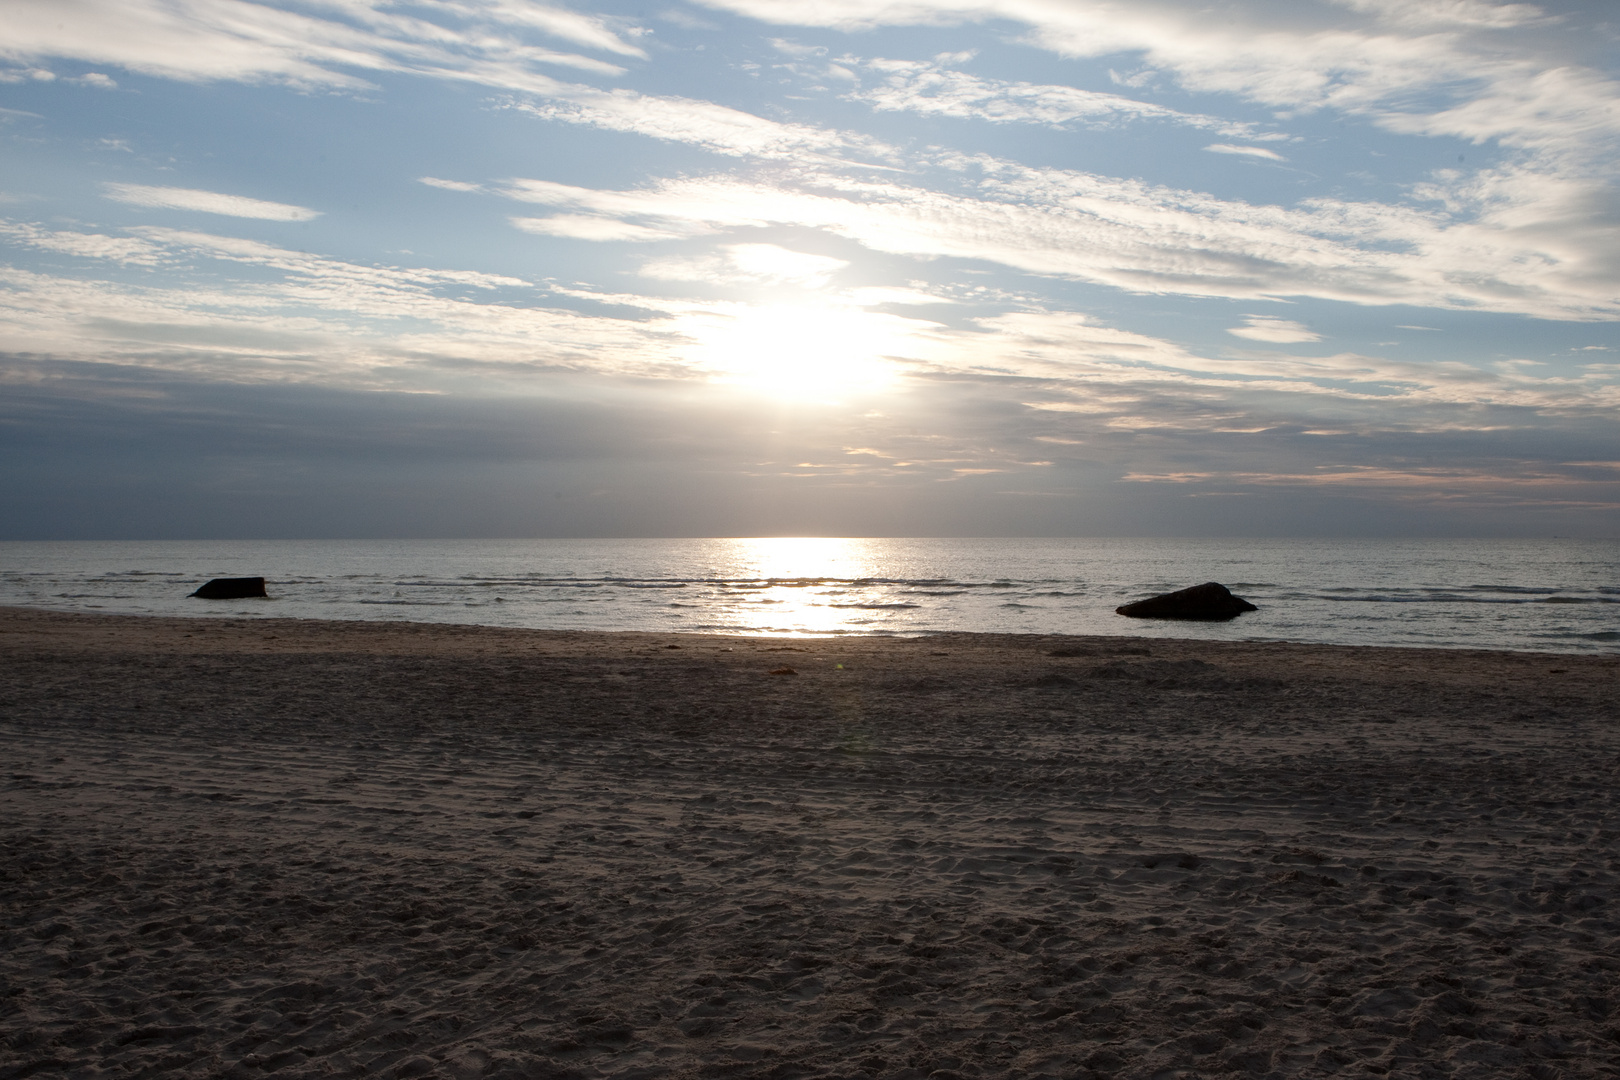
{"x":817,"y":348}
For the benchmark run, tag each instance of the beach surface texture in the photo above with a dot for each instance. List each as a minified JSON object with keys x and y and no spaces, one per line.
{"x":252,"y":847}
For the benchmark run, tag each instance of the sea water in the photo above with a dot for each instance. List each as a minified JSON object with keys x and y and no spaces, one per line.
{"x":1548,"y":595}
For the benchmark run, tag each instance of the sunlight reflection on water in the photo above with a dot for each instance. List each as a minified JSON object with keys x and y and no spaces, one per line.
{"x":793,"y":583}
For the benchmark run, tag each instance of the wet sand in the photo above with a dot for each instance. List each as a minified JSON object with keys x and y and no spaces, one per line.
{"x":242,"y":848}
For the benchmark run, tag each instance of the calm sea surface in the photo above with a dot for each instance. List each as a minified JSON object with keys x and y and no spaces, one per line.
{"x":1551,"y":595}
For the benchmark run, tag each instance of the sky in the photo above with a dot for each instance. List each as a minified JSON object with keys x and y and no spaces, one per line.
{"x":500,"y":268}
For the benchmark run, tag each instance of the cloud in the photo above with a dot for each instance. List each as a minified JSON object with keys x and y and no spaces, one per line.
{"x":1009,"y":395}
{"x":480,"y":41}
{"x":1271,"y":329}
{"x":124,"y":250}
{"x":1429,"y":14}
{"x":934,"y":88}
{"x":251,"y":42}
{"x":17,"y":75}
{"x":287,"y":316}
{"x":1247,"y":151}
{"x":1460,"y":69}
{"x":1492,"y":82}
{"x":1088,"y":358}
{"x":773,"y":263}
{"x":1289,"y":56}
{"x":593,"y":227}
{"x":589,"y":31}
{"x":686,"y":20}
{"x":879,"y":295}
{"x":1444,"y":478}
{"x":749,"y":263}
{"x":449,"y":185}
{"x":207,"y":202}
{"x":1141,"y":238}
{"x":361,"y":323}
{"x":793,"y":48}
{"x":716,"y":128}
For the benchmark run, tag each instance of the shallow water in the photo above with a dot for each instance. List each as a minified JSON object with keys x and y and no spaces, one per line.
{"x":1549,"y":595}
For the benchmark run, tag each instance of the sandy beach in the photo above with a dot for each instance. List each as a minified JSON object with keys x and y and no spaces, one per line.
{"x":242,"y":848}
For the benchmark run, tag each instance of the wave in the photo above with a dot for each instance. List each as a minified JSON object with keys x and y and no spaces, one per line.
{"x":921,"y":586}
{"x":1450,"y":597}
{"x":396,"y":603}
{"x":874,"y":606}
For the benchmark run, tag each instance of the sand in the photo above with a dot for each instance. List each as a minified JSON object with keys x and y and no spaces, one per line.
{"x":242,"y":848}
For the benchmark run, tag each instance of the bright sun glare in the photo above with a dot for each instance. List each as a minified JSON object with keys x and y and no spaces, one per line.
{"x":816,"y":348}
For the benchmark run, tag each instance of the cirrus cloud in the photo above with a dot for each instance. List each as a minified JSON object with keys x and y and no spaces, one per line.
{"x":1274,"y":330}
{"x":245,"y":41}
{"x":206,"y":202}
{"x":1245,"y":151}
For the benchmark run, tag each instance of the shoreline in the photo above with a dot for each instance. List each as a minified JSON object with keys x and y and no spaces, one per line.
{"x":296,"y":847}
{"x":397,"y":631}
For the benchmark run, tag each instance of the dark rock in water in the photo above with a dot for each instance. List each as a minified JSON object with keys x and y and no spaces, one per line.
{"x":232,"y":588}
{"x":1208,"y":602}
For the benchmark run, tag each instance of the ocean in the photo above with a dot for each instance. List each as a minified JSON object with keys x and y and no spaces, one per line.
{"x":1542,"y":595}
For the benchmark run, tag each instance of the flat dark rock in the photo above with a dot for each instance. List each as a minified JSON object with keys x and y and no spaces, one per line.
{"x":231,"y":588}
{"x":1209,"y":602}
